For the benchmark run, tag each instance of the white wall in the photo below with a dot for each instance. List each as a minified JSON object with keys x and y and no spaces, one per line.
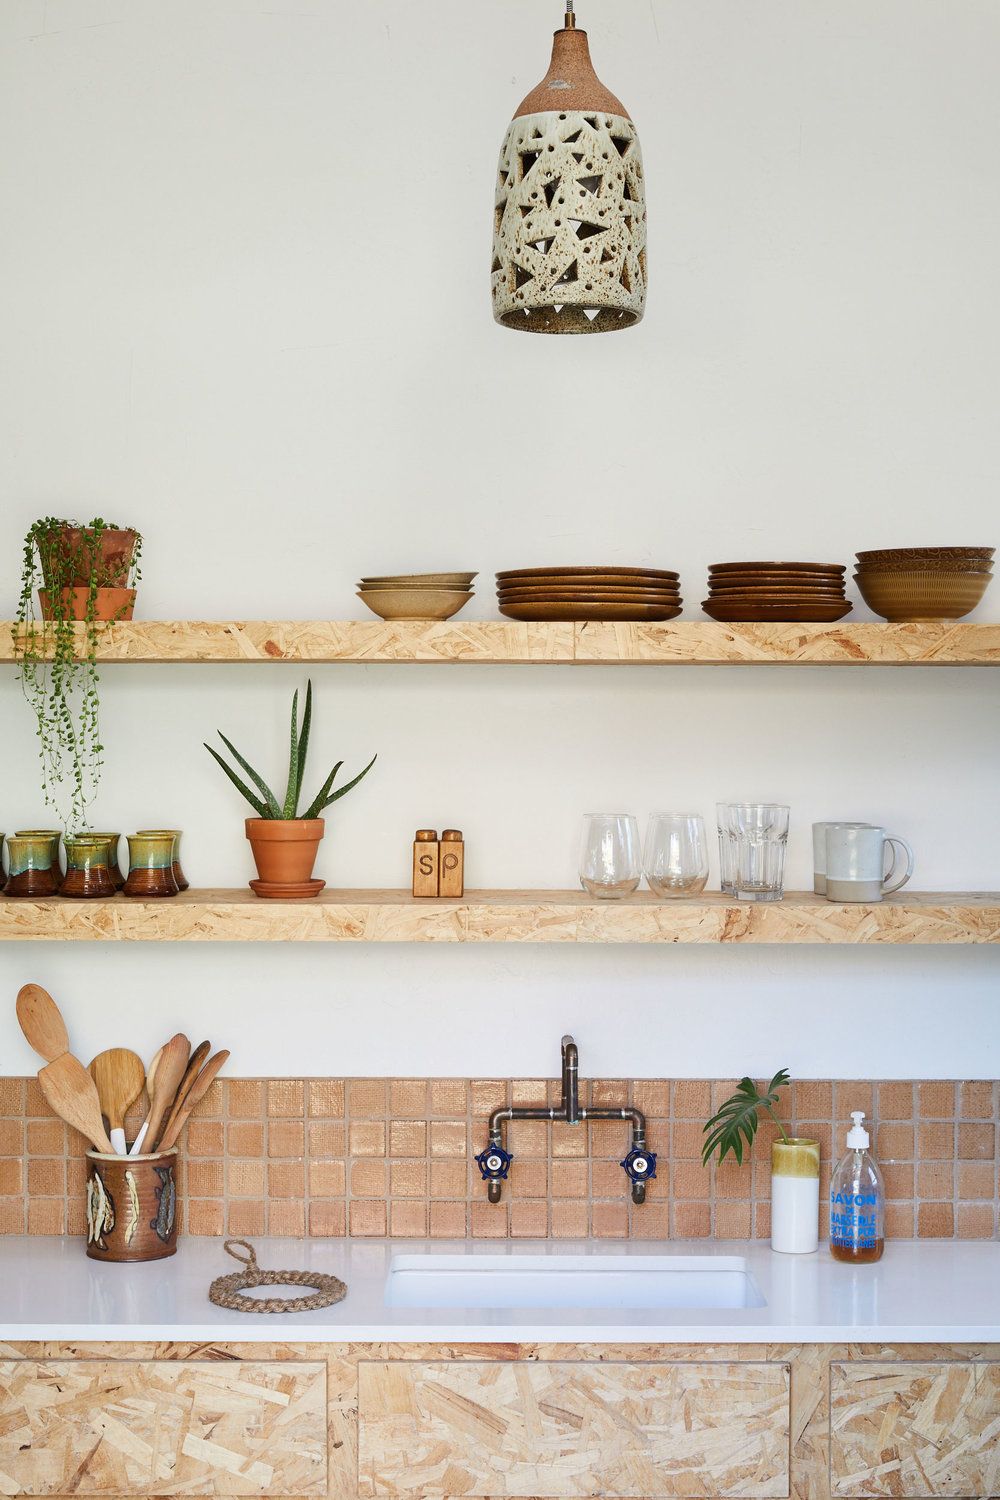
{"x":245,"y":308}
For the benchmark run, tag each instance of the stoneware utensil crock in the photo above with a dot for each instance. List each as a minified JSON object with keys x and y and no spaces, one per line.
{"x":131,"y":1206}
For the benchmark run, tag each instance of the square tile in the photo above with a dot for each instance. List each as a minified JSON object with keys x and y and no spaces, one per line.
{"x":367,"y":1098}
{"x":285,"y":1098}
{"x":367,"y":1218}
{"x":367,"y":1138}
{"x":286,"y":1138}
{"x":328,"y":1179}
{"x":326,"y":1098}
{"x":448,"y":1221}
{"x":408,"y":1099}
{"x":245,"y":1139}
{"x":327,"y":1218}
{"x":408,"y":1138}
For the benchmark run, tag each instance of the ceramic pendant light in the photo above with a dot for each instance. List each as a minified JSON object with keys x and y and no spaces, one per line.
{"x":569,"y":237}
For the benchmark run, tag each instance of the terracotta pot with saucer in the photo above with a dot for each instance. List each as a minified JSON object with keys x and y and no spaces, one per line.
{"x":284,"y":851}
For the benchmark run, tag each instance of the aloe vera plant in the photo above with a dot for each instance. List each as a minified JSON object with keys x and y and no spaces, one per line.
{"x":735,"y":1124}
{"x":264,"y":803}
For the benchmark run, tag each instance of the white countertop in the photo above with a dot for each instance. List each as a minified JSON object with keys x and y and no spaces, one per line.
{"x":921,"y":1291}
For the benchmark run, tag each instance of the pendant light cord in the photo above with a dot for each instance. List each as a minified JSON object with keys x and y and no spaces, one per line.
{"x":570,"y":17}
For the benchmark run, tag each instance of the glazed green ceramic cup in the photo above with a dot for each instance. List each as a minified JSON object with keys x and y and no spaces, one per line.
{"x":33,"y":859}
{"x":88,"y":872}
{"x":151,"y":865}
{"x":175,"y":834}
{"x":114,"y":840}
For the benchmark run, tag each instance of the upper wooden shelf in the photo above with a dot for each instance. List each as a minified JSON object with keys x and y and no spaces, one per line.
{"x":680,"y":642}
{"x":503,"y":917}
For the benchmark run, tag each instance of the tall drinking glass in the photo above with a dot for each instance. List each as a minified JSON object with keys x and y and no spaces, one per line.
{"x":727,"y":867}
{"x":759,"y":833}
{"x":675,"y":859}
{"x":609,"y":855}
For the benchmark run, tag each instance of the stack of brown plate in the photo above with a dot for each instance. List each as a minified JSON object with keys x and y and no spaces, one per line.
{"x":589,"y":594}
{"x":761,"y":591}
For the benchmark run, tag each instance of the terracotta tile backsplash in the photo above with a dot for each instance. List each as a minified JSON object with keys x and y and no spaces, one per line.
{"x":377,"y":1156}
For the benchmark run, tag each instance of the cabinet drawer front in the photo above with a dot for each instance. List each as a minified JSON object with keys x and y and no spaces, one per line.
{"x":162,"y":1427}
{"x":915,"y":1429}
{"x":573,"y":1428}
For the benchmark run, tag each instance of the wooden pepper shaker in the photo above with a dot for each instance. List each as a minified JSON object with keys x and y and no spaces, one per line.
{"x":426,"y":862}
{"x":452,"y":878}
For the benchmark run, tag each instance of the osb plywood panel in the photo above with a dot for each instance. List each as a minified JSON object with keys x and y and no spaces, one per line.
{"x":376,"y":916}
{"x":706,"y":643}
{"x":677,"y":642}
{"x":118,"y":1427}
{"x":575,"y":1428}
{"x":326,"y":640}
{"x":915,"y":1429}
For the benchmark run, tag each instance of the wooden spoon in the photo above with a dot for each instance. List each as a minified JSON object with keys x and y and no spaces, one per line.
{"x":66,"y":1084}
{"x":194,"y":1067}
{"x":119,"y":1075}
{"x":197,"y":1092}
{"x":40,"y":1020}
{"x":150,"y":1077}
{"x":169,"y":1073}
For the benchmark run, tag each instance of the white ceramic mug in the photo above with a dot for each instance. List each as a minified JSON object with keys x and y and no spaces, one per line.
{"x":855,"y":862}
{"x":819,"y":852}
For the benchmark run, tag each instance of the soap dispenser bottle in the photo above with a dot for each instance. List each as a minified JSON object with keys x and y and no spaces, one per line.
{"x":857,"y":1201}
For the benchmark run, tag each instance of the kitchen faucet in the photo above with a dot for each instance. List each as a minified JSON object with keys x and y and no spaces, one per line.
{"x":494,"y":1162}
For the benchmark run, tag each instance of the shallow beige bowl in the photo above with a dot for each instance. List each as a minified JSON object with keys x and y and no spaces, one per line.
{"x":415,"y":603}
{"x":418,"y":580}
{"x":905,"y":598}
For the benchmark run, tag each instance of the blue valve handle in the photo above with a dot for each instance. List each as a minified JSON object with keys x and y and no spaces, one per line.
{"x":494,"y":1163}
{"x":640,"y":1165}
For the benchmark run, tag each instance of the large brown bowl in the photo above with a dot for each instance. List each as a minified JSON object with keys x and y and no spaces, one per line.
{"x":907,"y":597}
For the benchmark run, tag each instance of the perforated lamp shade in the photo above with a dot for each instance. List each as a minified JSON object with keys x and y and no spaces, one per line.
{"x":569,"y":235}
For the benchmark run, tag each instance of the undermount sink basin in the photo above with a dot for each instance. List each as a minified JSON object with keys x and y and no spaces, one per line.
{"x":570,"y":1281}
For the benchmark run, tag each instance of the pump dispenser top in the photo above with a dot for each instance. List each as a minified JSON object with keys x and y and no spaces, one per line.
{"x":858,"y":1138}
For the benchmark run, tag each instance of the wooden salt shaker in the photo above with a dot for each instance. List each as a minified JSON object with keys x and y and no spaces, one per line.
{"x":426,"y":862}
{"x":452,"y":878}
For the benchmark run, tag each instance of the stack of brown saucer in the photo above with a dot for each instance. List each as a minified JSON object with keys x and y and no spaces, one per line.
{"x":761,"y":591}
{"x":589,"y":594}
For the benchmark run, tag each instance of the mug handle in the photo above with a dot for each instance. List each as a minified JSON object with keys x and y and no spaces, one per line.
{"x":888,"y":884}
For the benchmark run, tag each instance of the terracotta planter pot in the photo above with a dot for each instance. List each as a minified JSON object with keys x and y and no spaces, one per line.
{"x":111,"y":562}
{"x":284,"y":852}
{"x":110,"y":604}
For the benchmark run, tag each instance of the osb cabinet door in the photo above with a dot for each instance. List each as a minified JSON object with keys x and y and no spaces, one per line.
{"x":919,"y":1429}
{"x":573,"y":1428}
{"x":162,"y":1427}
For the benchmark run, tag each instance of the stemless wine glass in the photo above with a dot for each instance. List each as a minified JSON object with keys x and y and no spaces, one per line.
{"x":675,"y":859}
{"x":759,"y":833}
{"x":609,"y":855}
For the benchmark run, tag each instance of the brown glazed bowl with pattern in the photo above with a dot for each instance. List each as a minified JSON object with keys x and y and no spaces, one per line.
{"x":929,"y":559}
{"x":909,"y":597}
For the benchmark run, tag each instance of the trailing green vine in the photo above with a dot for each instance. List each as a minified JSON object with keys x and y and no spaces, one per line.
{"x":58,"y":666}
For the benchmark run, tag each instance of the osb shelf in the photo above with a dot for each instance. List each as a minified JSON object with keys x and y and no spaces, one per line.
{"x":679,"y":642}
{"x":502,"y":917}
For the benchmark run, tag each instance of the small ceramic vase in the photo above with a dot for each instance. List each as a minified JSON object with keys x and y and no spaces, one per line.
{"x":88,"y":875}
{"x":131,"y":1206}
{"x":174,"y":833}
{"x":114,"y":843}
{"x":150,"y":865}
{"x":34,"y":864}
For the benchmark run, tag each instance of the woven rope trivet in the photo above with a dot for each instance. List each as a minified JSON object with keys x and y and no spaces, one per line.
{"x":226,"y":1291}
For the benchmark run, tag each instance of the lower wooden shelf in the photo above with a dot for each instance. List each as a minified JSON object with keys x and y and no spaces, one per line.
{"x":382,"y":916}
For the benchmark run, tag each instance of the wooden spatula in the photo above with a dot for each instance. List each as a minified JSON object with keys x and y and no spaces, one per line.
{"x":66,"y":1084}
{"x":196,"y":1093}
{"x":194,"y":1067}
{"x":119,"y":1075}
{"x":169,"y":1072}
{"x":150,"y":1079}
{"x":40,"y":1020}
